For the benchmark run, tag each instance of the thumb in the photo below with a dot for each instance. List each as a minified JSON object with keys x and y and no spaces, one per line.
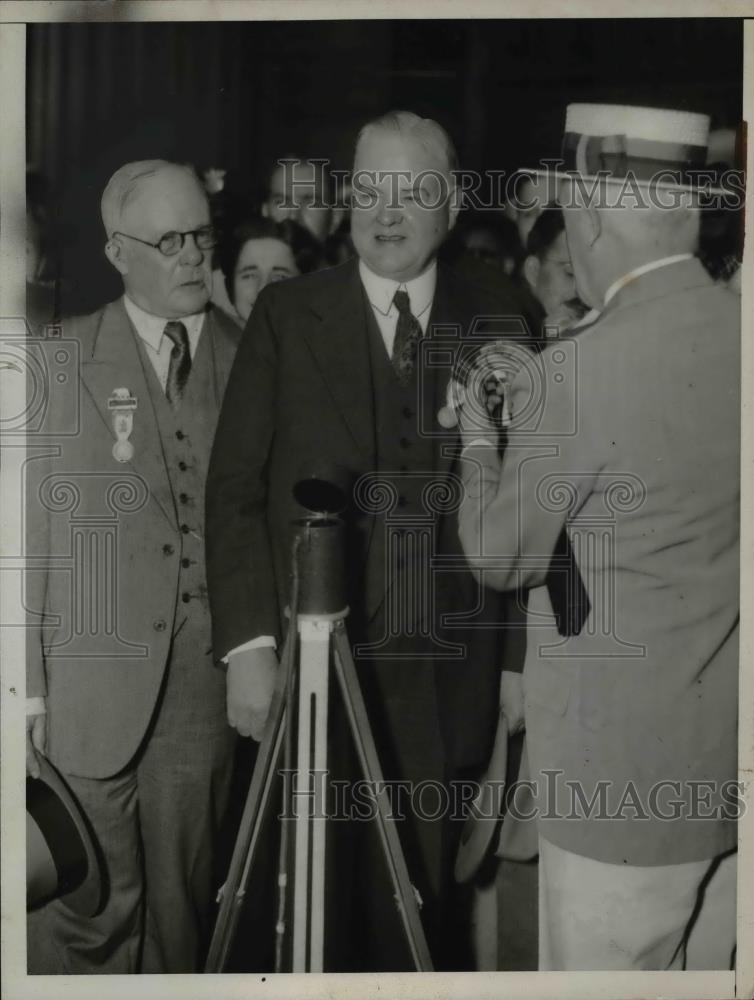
{"x":39,"y":733}
{"x":32,"y":764}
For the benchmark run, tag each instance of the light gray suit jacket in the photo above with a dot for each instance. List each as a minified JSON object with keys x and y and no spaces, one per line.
{"x":101,"y":593}
{"x":629,"y":434}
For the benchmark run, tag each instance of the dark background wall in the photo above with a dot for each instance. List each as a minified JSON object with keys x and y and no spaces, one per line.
{"x":237,"y":95}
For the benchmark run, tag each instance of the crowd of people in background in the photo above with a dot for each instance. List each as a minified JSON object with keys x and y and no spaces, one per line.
{"x":301,"y":223}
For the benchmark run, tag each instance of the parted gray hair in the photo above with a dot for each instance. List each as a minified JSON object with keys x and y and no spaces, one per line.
{"x":125,"y":183}
{"x":431,"y":135}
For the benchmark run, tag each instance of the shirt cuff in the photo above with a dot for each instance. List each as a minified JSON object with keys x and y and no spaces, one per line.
{"x":480,"y":442}
{"x":260,"y":642}
{"x":36,"y":706}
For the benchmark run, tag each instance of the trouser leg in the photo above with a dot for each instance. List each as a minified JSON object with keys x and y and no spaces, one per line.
{"x":184,"y":779}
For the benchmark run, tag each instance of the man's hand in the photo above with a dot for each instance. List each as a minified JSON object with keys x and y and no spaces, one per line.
{"x":512,"y":700}
{"x":250,"y":681}
{"x":36,"y":742}
{"x":474,"y":414}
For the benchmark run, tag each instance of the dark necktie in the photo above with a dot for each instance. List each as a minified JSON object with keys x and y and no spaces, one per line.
{"x":407,"y":333}
{"x":180,"y":362}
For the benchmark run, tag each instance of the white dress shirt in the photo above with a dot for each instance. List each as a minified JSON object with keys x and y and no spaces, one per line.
{"x":151,"y":331}
{"x":380,"y":292}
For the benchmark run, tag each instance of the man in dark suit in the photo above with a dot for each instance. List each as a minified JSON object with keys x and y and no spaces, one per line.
{"x":334,"y":375}
{"x":123,"y":695}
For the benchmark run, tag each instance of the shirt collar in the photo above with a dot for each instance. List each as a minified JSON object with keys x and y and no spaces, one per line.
{"x":151,"y":328}
{"x":637,"y":272}
{"x":380,"y":291}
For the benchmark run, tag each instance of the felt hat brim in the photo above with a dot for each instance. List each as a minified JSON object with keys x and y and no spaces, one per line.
{"x":62,"y":861}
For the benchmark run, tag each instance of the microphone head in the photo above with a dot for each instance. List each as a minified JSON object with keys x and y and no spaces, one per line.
{"x":319,"y":496}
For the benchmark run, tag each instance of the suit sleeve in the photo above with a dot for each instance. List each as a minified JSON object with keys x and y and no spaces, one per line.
{"x":514,"y":508}
{"x":43,"y":448}
{"x":240,"y":572}
{"x":37,"y":546}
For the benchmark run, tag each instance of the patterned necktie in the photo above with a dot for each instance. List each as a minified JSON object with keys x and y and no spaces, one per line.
{"x":180,"y":362}
{"x":407,"y":333}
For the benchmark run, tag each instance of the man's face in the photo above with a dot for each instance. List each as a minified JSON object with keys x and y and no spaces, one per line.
{"x":554,"y":283}
{"x":296,"y":193}
{"x":175,"y":286}
{"x":394,"y":231}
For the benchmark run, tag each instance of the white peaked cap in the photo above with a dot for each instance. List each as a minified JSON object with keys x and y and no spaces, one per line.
{"x":654,"y":124}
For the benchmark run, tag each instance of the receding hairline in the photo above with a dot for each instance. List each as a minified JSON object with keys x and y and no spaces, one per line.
{"x":126,"y":183}
{"x":426,"y":131}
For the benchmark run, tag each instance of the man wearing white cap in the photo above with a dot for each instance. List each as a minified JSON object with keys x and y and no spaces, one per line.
{"x":617,"y":504}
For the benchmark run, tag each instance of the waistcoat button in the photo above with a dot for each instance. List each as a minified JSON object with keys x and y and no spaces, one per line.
{"x":159,"y":625}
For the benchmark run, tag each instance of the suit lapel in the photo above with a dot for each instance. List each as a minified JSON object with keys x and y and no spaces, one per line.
{"x":338,"y":343}
{"x":115,"y":362}
{"x":224,"y":347}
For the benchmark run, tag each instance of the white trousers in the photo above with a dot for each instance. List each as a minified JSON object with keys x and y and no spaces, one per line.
{"x":598,"y":916}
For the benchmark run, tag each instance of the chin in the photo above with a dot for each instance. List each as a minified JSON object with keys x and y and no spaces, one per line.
{"x":192,"y":300}
{"x":398,"y":267}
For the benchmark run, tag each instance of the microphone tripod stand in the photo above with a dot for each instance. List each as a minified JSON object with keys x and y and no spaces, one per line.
{"x":316,"y":642}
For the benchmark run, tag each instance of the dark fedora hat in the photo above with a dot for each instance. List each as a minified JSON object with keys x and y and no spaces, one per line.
{"x":61,"y":859}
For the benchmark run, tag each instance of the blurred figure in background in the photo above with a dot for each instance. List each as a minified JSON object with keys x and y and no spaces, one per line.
{"x":258,"y":252}
{"x":42,"y":258}
{"x":489,"y":237}
{"x":300,"y":189}
{"x":526,"y":204}
{"x":547,"y":272}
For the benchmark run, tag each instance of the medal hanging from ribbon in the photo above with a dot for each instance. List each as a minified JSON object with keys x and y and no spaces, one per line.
{"x":122,"y":405}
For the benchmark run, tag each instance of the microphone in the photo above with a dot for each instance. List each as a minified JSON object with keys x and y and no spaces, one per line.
{"x":482,"y":384}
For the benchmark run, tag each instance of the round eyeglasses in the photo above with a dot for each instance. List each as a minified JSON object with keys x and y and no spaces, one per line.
{"x":169,"y":244}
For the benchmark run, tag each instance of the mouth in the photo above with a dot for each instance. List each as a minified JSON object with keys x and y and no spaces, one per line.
{"x":389,"y":239}
{"x":195,"y":283}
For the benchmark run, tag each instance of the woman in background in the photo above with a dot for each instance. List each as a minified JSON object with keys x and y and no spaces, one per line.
{"x":260,"y":251}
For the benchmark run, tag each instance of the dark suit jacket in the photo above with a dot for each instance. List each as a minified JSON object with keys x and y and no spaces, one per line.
{"x":102,"y":687}
{"x":299,"y":402}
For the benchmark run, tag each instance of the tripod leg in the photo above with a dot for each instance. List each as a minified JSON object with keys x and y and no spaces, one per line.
{"x":309,"y":794}
{"x":262,"y":780}
{"x":370,"y":764}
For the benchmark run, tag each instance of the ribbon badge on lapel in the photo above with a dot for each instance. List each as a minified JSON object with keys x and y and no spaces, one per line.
{"x":122,"y":405}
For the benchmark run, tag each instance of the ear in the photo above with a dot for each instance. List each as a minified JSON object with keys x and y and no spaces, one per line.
{"x":454,"y":205}
{"x":592,"y":225}
{"x":116,"y":255}
{"x":265,"y":210}
{"x":530,"y":270}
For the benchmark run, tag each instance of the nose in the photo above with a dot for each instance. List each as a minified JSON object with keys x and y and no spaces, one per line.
{"x":387,"y":214}
{"x":191,"y":254}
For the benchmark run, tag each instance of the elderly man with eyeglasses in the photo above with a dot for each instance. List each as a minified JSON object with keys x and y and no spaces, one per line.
{"x":122,"y":693}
